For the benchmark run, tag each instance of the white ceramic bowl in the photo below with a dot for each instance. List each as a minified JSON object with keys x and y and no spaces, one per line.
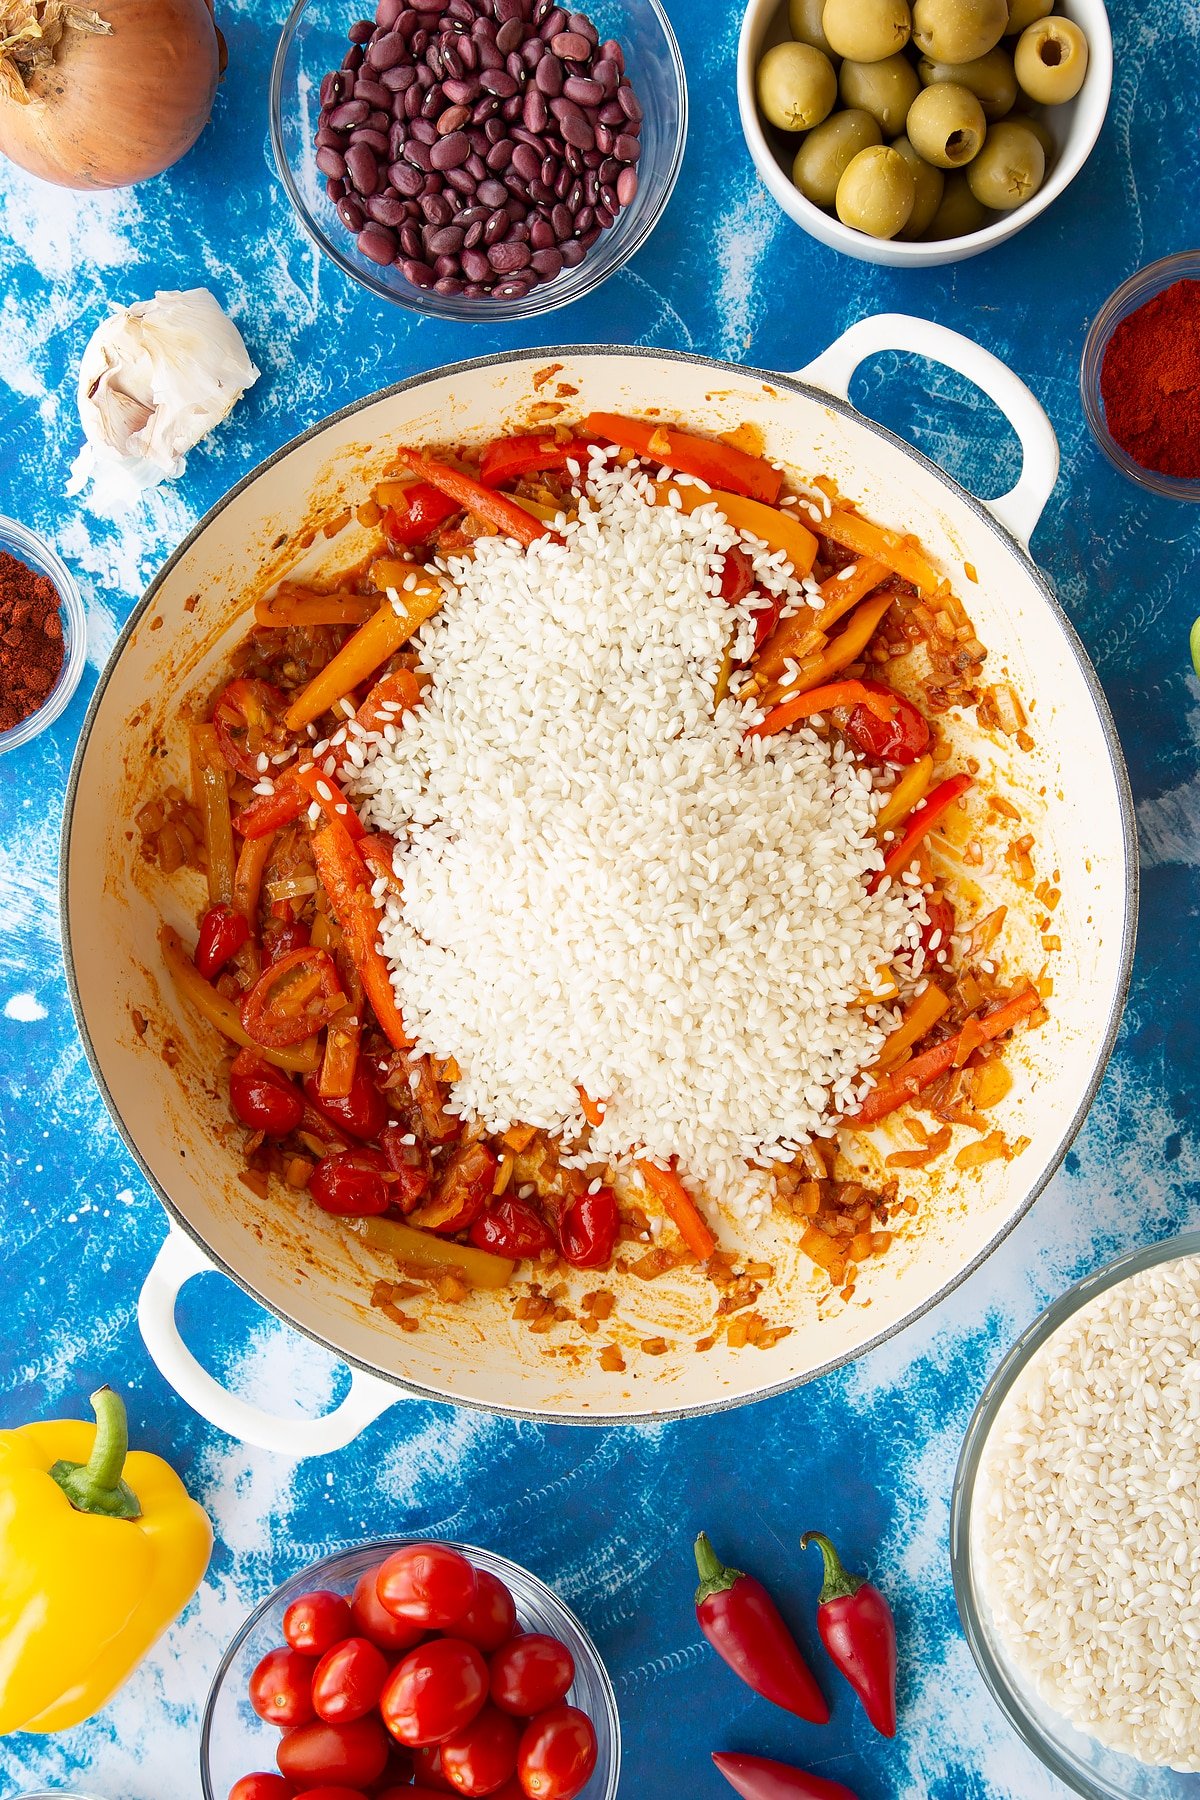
{"x":1075,"y":125}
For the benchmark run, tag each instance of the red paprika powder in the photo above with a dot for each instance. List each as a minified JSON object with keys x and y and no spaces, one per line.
{"x":31,"y":640}
{"x":1150,"y":382}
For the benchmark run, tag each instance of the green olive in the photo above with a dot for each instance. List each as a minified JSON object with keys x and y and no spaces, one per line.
{"x":1051,"y":60}
{"x":960,"y":213}
{"x":822,"y":158}
{"x":867,"y":30}
{"x":796,"y":86}
{"x":1041,"y":132}
{"x":958,"y":31}
{"x":804,"y":23}
{"x":884,"y":89}
{"x":991,"y":79}
{"x":931,"y":184}
{"x":946,"y":125}
{"x":877,"y":192}
{"x":1009,"y":169}
{"x":1026,"y":12}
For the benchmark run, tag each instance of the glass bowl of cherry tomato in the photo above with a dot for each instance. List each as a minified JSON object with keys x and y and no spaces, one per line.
{"x":405,"y":1670}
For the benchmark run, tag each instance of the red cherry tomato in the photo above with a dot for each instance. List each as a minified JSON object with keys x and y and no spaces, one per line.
{"x":362,"y":1113}
{"x":315,"y":1622}
{"x":483,"y":1755}
{"x":434,"y":1692}
{"x":338,"y":1755}
{"x":334,"y":1793}
{"x":766,"y":618}
{"x":737,"y":576}
{"x":427,"y":1769}
{"x":248,"y":717}
{"x":373,"y":1620}
{"x":901,"y":739}
{"x":281,"y":1688}
{"x":428,"y":1584}
{"x":530,"y":1674}
{"x":510,"y":1228}
{"x":292,"y":998}
{"x":463,"y":1189}
{"x":557,"y":1754}
{"x":262,"y":1787}
{"x":348,"y":1681}
{"x":587,"y":1229}
{"x":942,"y":923}
{"x":222,"y":934}
{"x":352,"y":1183}
{"x":279,"y":940}
{"x":262,"y":1096}
{"x":491,"y":1618}
{"x":410,"y":1163}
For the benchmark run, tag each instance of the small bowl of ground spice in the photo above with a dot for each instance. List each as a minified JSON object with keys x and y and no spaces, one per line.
{"x":1140,"y":377}
{"x":42,"y":635}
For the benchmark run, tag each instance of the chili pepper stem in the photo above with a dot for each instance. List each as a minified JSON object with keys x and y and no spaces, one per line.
{"x":715,"y":1577}
{"x":839,"y":1583}
{"x":96,"y":1485}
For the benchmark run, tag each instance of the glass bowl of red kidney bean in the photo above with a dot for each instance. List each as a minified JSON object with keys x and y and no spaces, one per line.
{"x":236,"y":1740}
{"x":479,"y":159}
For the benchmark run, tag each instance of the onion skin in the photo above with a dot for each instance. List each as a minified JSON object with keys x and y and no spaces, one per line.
{"x":114,"y":110}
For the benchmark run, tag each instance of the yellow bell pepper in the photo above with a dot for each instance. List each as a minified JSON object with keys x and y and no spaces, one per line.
{"x":100,"y":1548}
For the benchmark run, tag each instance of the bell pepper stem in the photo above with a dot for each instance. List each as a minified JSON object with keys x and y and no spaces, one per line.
{"x":715,"y":1577}
{"x":96,"y":1485}
{"x":839,"y":1583}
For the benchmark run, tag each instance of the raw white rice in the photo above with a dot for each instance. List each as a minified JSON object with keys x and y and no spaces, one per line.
{"x":1086,"y":1518}
{"x":604,"y":883}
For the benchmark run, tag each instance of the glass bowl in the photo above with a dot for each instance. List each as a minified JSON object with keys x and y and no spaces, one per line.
{"x":33,"y":551}
{"x":1085,"y":1765}
{"x":1183,"y":266}
{"x":234,"y":1740}
{"x":314,"y":41}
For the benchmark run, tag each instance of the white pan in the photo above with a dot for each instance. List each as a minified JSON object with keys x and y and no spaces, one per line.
{"x":1071,"y":787}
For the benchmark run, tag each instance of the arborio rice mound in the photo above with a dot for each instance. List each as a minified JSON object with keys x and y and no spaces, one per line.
{"x":1086,"y":1518}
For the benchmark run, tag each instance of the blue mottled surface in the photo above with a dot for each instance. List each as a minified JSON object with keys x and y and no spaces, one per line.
{"x":608,"y":1517}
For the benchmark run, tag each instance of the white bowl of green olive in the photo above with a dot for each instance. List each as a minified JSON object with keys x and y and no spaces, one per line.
{"x":917,"y":132}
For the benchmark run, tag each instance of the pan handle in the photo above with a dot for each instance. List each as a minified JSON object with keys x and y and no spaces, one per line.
{"x":176,"y":1263}
{"x":1020,"y":509}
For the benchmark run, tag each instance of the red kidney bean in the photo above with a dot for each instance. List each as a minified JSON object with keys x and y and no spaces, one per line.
{"x":333,"y":88}
{"x":418,"y":154}
{"x":583,"y":91}
{"x":453,"y":119}
{"x":360,"y":32}
{"x":386,"y":209}
{"x":386,"y":51}
{"x":571,"y":46}
{"x":353,"y":59}
{"x":475,"y":166}
{"x":606,"y":75}
{"x":377,"y":244}
{"x":549,"y":75}
{"x":475,"y":264}
{"x":362,"y":165}
{"x":627,"y":185}
{"x":552,"y":22}
{"x":387,"y":13}
{"x":376,"y":95}
{"x":499,"y":155}
{"x":535,"y":115}
{"x":349,"y":114}
{"x":331,"y":162}
{"x":418,"y":272}
{"x":351,"y":214}
{"x":410,"y":239}
{"x":445,"y":240}
{"x":423,"y":131}
{"x":397,"y":80}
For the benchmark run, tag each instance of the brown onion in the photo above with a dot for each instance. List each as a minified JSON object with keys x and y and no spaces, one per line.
{"x":105,"y":100}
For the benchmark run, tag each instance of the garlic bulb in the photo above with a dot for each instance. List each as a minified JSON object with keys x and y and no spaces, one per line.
{"x":155,"y":378}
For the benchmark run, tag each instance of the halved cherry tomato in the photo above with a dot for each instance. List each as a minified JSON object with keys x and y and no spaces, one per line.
{"x":281,"y":1688}
{"x":248,"y":717}
{"x":737,"y":575}
{"x":427,"y":508}
{"x":362,"y":1113}
{"x":410,"y":1162}
{"x":463,"y":1189}
{"x":338,"y":1755}
{"x":481,"y":1757}
{"x":531,"y":1673}
{"x":428,"y":1584}
{"x":427,"y":1768}
{"x":348,"y":1681}
{"x":354,"y":1184}
{"x":437,"y":1689}
{"x":899,"y":740}
{"x":587,"y":1229}
{"x":766,"y":618}
{"x":315,"y":1622}
{"x":262,"y":1786}
{"x":511,"y":1228}
{"x":222,"y":934}
{"x":293,"y":998}
{"x":557,"y":1754}
{"x":373,"y":1620}
{"x":262,"y":1096}
{"x":491,"y":1618}
{"x":281,"y":938}
{"x":942,"y":925}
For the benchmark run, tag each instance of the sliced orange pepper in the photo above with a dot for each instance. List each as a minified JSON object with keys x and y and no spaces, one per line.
{"x":679,"y":1206}
{"x":819,"y":700}
{"x":720,"y":465}
{"x":925,"y":1069}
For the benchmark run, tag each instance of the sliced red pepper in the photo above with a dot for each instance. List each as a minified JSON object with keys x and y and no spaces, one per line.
{"x":497,"y":510}
{"x":392,"y":696}
{"x":921,"y":822}
{"x":347,"y":883}
{"x":719,"y":465}
{"x":921,"y":1071}
{"x":248,"y":718}
{"x":323,"y":788}
{"x":737,"y":575}
{"x":223,"y":931}
{"x":758,"y":1778}
{"x":859,"y":1632}
{"x":271,"y":812}
{"x":507,"y":459}
{"x":292,"y":999}
{"x":765,"y":620}
{"x":427,"y":508}
{"x":744,"y":1626}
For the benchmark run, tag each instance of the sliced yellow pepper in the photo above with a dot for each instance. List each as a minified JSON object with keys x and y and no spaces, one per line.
{"x":100,"y":1548}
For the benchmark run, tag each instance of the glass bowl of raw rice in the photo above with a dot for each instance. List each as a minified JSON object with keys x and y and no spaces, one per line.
{"x":1075,"y":1530}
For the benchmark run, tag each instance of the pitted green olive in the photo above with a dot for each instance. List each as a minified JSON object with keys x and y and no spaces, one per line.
{"x":960,"y":212}
{"x":958,"y":31}
{"x":1026,"y":12}
{"x":1051,"y":60}
{"x":804,"y":23}
{"x":991,"y":78}
{"x":877,"y":192}
{"x":827,"y":151}
{"x":946,"y":125}
{"x":884,"y":89}
{"x":867,"y":30}
{"x":796,"y":86}
{"x":1009,"y":169}
{"x":931,"y":185}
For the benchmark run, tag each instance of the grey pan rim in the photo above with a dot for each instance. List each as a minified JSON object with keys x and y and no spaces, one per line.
{"x":786,"y":384}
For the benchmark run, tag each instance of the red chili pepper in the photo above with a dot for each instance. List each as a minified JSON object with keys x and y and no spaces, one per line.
{"x":756,"y":1778}
{"x":744,"y":1627}
{"x":859,"y":1632}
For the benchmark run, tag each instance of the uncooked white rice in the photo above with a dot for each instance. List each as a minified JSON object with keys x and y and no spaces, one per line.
{"x":1086,"y":1518}
{"x":604,"y":883}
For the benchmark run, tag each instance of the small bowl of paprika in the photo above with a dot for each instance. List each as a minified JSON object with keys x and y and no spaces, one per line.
{"x":1140,"y":377}
{"x":43,"y":635}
